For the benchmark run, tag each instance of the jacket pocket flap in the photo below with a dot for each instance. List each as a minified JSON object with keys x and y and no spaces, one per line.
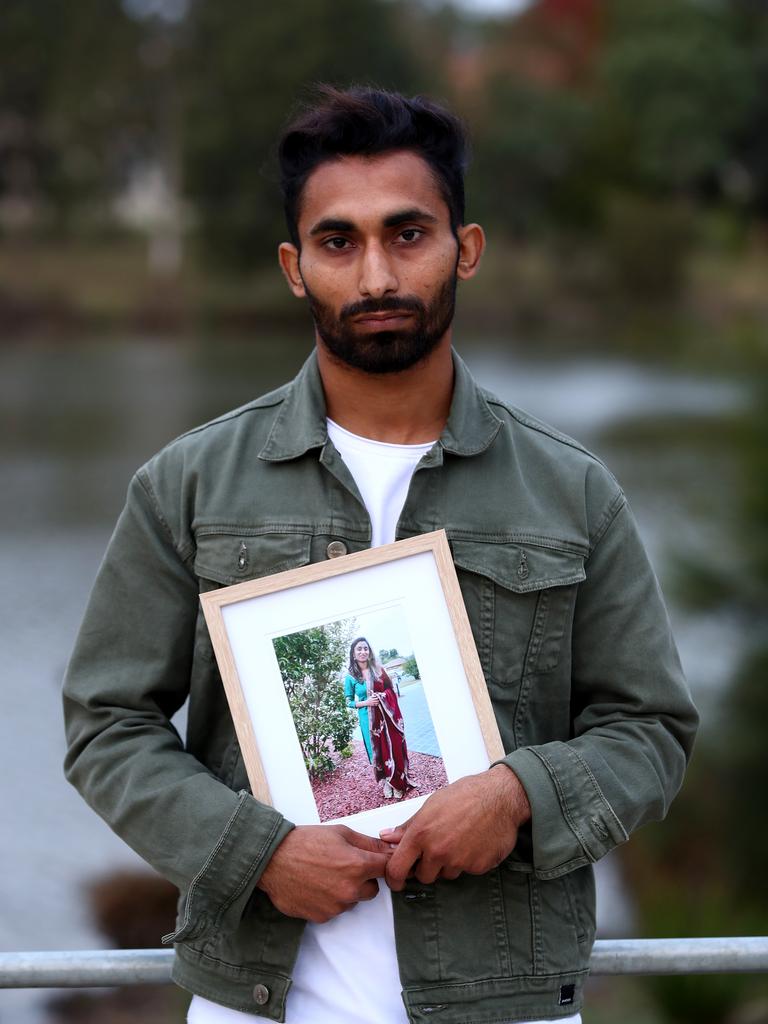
{"x":519,"y":567}
{"x":232,"y":557}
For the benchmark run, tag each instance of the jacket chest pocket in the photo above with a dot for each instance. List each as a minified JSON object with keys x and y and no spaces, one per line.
{"x":520,"y":599}
{"x":226,"y":555}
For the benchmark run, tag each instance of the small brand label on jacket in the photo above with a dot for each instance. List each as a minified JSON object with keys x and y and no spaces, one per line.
{"x":566,"y":994}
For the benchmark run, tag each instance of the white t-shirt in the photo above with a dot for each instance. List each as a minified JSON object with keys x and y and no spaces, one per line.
{"x":337,"y":960}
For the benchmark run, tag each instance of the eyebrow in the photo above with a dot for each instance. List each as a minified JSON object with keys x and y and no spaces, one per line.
{"x":403,"y":216}
{"x":392,"y":220}
{"x":331,"y":224}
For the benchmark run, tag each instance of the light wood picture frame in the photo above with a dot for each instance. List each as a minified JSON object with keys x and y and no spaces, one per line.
{"x":406,"y":592}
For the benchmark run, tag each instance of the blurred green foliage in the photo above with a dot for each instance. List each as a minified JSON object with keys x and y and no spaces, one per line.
{"x":587,"y":116}
{"x":676,"y":85}
{"x":242,"y":74}
{"x":76,"y":108}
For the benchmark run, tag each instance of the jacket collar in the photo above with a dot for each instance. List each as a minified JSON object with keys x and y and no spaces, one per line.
{"x":300,"y":423}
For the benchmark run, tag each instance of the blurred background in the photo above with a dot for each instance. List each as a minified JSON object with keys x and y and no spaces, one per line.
{"x":621,"y":171}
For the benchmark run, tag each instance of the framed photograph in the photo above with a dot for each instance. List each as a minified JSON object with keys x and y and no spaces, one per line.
{"x":354,"y":684}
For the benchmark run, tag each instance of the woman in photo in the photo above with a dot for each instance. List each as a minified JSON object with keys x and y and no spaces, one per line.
{"x":368,"y":689}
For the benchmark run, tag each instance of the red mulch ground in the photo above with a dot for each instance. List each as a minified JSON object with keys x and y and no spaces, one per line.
{"x":351,"y":787}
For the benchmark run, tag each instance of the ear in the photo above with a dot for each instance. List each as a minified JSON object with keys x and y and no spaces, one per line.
{"x":288,"y":257}
{"x":471,"y":246}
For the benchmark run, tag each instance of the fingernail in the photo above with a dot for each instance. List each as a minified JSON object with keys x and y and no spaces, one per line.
{"x":386,"y":832}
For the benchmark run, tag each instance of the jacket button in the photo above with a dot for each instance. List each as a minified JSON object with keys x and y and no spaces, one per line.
{"x":336,"y":548}
{"x":260,"y":994}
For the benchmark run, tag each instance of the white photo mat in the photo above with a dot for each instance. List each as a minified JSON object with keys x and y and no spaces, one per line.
{"x":415,"y":575}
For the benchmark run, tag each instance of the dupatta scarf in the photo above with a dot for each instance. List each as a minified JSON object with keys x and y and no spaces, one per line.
{"x":390,"y":751}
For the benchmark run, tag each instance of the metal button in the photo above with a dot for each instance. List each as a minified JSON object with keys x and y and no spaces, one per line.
{"x":242,"y":557}
{"x":336,"y":548}
{"x":260,"y":994}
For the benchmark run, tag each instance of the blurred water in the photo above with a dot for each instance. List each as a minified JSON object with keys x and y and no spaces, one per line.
{"x":76,"y":419}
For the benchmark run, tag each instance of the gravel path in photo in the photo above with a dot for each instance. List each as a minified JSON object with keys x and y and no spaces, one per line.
{"x":351,"y":787}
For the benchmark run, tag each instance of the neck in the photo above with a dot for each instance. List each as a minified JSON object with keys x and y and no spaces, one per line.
{"x":409,"y":407}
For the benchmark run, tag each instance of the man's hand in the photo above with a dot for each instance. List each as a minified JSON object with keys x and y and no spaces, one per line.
{"x":319,"y":871}
{"x":469,"y":826}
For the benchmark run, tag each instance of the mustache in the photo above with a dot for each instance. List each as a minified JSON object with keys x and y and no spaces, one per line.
{"x":388,"y":304}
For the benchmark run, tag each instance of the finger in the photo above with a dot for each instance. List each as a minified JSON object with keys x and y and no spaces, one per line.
{"x":368,"y":843}
{"x":320,"y":917}
{"x":369,"y":890}
{"x":401,"y":864}
{"x":372,"y":865}
{"x":427,"y":870}
{"x":450,"y":873}
{"x":394,"y":835}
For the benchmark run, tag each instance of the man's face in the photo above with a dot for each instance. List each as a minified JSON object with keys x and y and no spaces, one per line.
{"x":378,"y":260}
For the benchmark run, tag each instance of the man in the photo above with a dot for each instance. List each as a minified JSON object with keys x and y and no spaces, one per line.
{"x":486,"y":905}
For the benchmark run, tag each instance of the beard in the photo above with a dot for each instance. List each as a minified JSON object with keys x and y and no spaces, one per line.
{"x":385,"y":351}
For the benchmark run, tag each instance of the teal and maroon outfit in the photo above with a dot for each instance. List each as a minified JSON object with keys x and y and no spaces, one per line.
{"x":383,"y":730}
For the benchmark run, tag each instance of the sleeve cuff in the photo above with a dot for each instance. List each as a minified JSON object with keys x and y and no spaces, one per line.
{"x":571,"y":822}
{"x":218,"y":894}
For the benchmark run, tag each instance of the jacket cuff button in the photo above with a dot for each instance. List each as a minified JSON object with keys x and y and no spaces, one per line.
{"x":336,"y":548}
{"x":260,"y":994}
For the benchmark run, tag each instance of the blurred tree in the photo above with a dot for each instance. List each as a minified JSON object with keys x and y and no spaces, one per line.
{"x":674,"y":88}
{"x":577,"y":103}
{"x":528,"y":142}
{"x":750,"y":156}
{"x":74,"y":108}
{"x":526,"y":95}
{"x":600,"y":127}
{"x":246,"y":66}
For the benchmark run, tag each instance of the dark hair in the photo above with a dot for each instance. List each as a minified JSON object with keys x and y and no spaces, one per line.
{"x":368,"y":122}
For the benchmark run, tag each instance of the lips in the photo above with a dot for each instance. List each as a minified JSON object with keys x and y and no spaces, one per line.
{"x":382,"y":318}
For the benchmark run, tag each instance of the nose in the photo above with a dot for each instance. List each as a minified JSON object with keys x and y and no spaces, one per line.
{"x":377,"y":275}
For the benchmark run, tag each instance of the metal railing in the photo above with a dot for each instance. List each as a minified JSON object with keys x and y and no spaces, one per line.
{"x":93,"y":968}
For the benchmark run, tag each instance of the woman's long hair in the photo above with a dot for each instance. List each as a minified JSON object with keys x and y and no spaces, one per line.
{"x":373,"y":662}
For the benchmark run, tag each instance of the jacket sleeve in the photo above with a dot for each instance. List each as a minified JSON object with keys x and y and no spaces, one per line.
{"x":129,"y":673}
{"x":633,"y":721}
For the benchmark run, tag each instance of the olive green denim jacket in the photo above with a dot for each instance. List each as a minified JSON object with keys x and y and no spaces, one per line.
{"x":572,"y":635}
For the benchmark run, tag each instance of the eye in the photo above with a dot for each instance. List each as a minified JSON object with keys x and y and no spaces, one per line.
{"x":338,"y":243}
{"x":411,"y":234}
